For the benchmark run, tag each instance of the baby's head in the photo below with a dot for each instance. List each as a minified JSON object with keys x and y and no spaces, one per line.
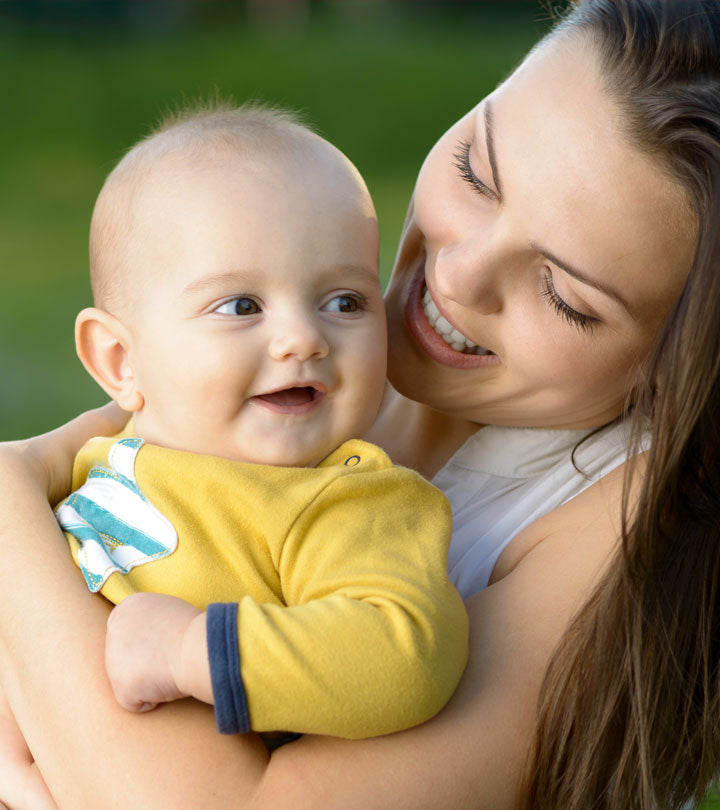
{"x":238,"y":310}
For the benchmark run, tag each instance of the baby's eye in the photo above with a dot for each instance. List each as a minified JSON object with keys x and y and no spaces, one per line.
{"x":342,"y":303}
{"x":239,"y":306}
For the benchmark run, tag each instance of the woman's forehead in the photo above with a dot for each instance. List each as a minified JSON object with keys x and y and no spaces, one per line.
{"x":576,"y":184}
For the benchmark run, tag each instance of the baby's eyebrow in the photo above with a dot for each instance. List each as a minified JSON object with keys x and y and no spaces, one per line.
{"x":212,"y":280}
{"x":351,"y":269}
{"x":242,"y":281}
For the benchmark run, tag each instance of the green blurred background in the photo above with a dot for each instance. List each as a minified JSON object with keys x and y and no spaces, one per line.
{"x":81,"y":81}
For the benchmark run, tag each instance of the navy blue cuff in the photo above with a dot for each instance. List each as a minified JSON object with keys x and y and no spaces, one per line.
{"x":231,"y":712}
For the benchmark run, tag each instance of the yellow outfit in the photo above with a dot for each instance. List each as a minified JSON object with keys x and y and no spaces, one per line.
{"x":346,"y":621}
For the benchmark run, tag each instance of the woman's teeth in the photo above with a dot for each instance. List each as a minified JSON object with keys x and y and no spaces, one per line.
{"x":447,"y":331}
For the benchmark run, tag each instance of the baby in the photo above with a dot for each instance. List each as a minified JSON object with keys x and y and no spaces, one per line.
{"x":295,"y":578}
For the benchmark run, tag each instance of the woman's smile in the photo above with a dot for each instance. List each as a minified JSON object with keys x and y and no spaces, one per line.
{"x":447,"y":331}
{"x":437,"y":336}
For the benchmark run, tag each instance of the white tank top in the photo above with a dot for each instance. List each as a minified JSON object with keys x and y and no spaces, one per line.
{"x":504,"y":478}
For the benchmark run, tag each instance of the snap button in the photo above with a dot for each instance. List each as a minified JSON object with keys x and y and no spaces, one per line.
{"x":353,"y":461}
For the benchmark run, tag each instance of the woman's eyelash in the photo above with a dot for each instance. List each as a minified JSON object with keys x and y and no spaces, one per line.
{"x":584,"y":323}
{"x":462,"y":164}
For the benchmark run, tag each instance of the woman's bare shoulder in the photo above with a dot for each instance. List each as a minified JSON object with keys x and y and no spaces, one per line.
{"x":575,"y":539}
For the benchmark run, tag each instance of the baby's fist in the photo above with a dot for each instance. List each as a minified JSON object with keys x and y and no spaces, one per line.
{"x":143,"y":649}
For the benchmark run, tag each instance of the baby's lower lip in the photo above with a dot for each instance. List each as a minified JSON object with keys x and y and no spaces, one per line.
{"x":428,"y":339}
{"x":296,"y":400}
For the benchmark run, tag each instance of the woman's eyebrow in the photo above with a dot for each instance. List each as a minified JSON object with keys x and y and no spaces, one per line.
{"x":607,"y":289}
{"x":490,"y":146}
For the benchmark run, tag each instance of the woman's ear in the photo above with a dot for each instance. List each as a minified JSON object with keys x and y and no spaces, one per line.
{"x":103,"y":345}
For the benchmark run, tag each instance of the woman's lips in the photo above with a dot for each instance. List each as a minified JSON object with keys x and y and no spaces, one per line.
{"x":429,"y":340}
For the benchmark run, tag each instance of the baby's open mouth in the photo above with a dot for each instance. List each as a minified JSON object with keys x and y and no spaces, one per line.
{"x":292,"y":397}
{"x":447,"y":331}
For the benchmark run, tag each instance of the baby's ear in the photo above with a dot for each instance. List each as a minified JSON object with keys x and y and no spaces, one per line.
{"x":103,"y":346}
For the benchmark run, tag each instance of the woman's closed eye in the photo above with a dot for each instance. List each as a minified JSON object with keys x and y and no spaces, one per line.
{"x":241,"y":305}
{"x":584,"y":323}
{"x":462,"y":164}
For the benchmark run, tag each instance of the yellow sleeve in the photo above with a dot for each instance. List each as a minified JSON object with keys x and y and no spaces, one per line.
{"x":374,"y":638}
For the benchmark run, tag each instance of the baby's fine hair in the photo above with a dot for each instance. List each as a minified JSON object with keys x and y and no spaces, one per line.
{"x":199,"y":130}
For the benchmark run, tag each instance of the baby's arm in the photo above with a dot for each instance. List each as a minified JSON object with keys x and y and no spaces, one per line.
{"x":373,"y":639}
{"x":156,"y":651}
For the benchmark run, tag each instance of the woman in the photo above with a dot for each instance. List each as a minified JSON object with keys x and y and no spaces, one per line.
{"x":568,"y":231}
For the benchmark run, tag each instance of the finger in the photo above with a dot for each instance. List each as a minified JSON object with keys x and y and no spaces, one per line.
{"x":146,"y":707}
{"x":137,"y":706}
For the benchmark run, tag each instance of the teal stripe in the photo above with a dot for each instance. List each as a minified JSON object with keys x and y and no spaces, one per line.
{"x":104,"y":472}
{"x":94,"y":582}
{"x":107,"y":523}
{"x":133,"y":442}
{"x":81,"y":531}
{"x":86,"y":534}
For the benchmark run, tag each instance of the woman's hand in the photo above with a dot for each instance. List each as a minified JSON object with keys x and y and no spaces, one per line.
{"x":21,"y":784}
{"x":47,"y":460}
{"x":41,"y":470}
{"x":52,"y":670}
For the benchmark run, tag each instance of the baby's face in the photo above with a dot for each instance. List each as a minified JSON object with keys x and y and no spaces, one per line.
{"x":260,"y":333}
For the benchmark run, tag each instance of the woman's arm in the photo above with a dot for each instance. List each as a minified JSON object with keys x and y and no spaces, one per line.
{"x":471,"y":755}
{"x":51,"y":663}
{"x":48,"y":459}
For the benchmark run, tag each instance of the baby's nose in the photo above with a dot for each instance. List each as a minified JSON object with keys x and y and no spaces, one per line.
{"x":300,"y":339}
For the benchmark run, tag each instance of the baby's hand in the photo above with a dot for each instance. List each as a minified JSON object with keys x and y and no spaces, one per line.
{"x":144,"y":650}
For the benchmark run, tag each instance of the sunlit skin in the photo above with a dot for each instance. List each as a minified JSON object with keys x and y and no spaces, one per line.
{"x":562,"y":182}
{"x":565,"y":180}
{"x":261,"y":277}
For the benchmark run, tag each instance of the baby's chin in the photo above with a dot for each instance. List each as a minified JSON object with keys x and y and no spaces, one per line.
{"x":291,"y":448}
{"x":268,"y":459}
{"x":280,"y":455}
{"x":286,"y":458}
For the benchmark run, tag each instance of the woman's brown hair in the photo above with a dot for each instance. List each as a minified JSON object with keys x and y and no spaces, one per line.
{"x":629,"y":715}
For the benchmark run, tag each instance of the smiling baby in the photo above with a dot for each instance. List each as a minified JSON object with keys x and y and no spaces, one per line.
{"x":268,"y":560}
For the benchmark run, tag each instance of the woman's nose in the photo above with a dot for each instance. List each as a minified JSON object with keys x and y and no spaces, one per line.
{"x":299,"y":338}
{"x":470,"y":276}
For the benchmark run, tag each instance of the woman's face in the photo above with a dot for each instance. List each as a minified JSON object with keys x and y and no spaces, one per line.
{"x":542,"y":237}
